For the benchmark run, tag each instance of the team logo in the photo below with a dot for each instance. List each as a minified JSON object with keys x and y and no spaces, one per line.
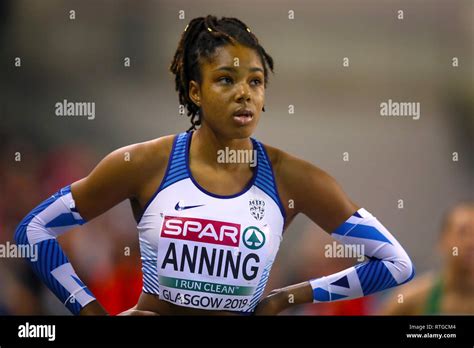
{"x":253,"y":238}
{"x":201,"y":230}
{"x":257,"y":208}
{"x":180,"y":206}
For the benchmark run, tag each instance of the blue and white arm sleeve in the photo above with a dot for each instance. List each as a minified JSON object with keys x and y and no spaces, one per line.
{"x":388,"y":264}
{"x":39,"y":230}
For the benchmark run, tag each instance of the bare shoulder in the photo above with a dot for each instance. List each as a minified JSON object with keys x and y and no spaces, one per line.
{"x":151,"y":158}
{"x":289,"y":167}
{"x":122,"y":174}
{"x":311,"y":190}
{"x":410,"y":298}
{"x":152,"y":153}
{"x":142,"y":160}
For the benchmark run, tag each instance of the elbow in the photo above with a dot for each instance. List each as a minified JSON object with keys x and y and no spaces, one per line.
{"x":20,"y":233}
{"x":31,"y":231}
{"x":408,"y":271}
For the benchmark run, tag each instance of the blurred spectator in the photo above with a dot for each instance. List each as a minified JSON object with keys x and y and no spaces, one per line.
{"x":451,"y":290}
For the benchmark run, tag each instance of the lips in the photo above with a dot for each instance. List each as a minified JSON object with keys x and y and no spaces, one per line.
{"x":243,"y":117}
{"x":243,"y":112}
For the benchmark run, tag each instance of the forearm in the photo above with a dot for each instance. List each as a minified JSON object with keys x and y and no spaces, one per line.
{"x":296,"y":294}
{"x":388,"y":264}
{"x":281,"y":299}
{"x":93,"y":308}
{"x":38,"y":231}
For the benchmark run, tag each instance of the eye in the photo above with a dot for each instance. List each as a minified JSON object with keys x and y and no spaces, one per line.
{"x":256,"y":82}
{"x":225,"y":80}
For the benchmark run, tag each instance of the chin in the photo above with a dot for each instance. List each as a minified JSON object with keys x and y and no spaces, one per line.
{"x":242,"y":132}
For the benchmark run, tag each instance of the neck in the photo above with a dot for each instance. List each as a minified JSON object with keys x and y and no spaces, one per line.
{"x":458,"y":280}
{"x":207,"y":147}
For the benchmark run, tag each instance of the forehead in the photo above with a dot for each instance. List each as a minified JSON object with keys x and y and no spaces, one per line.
{"x":461,"y":216}
{"x":226,"y":56}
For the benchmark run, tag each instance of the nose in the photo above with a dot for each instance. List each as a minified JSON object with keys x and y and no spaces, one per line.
{"x":243,"y":93}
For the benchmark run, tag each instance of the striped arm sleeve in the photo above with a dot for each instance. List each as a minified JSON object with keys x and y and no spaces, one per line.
{"x":388,"y":264}
{"x":39,"y":230}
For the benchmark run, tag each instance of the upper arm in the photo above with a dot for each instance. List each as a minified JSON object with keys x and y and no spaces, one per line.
{"x":315,"y":193}
{"x":116,"y":178}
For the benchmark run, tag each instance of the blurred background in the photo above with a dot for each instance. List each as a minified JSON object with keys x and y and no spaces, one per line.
{"x":336,"y":110}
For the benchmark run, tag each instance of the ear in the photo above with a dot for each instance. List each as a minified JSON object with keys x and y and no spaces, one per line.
{"x":195,"y":92}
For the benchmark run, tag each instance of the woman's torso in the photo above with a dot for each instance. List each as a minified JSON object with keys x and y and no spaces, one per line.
{"x":244,"y":192}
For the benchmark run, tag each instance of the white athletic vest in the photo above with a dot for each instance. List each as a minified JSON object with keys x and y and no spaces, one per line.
{"x":208,"y":251}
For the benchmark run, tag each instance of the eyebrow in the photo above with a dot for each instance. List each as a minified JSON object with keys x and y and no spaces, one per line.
{"x":233,"y":69}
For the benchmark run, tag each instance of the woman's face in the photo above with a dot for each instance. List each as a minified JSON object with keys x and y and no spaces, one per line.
{"x":232,"y":93}
{"x":457,"y":242}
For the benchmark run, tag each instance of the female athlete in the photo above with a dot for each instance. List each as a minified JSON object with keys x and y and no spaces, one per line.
{"x":210,"y":227}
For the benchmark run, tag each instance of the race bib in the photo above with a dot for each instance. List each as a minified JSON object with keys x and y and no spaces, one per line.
{"x":213,"y":265}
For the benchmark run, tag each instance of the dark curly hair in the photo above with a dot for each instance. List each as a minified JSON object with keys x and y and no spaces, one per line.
{"x":199,"y":40}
